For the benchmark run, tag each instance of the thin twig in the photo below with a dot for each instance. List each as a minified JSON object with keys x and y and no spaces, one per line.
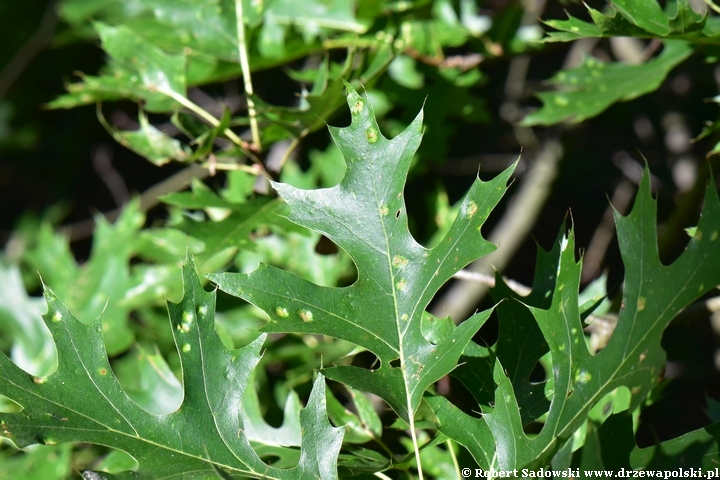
{"x":291,"y":148}
{"x":245,"y":65}
{"x":102,"y":163}
{"x":451,"y":450}
{"x":148,"y":199}
{"x":205,"y":115}
{"x":29,"y":50}
{"x":214,"y":165}
{"x":710,"y":4}
{"x":489,"y":280}
{"x":605,"y":232}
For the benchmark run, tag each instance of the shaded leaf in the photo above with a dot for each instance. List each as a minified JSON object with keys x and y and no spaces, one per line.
{"x":49,"y":462}
{"x":149,"y":142}
{"x":310,"y":16}
{"x":206,"y":27}
{"x":361,"y":427}
{"x":138,"y":70}
{"x":613,"y":446}
{"x":97,"y":288}
{"x":588,"y":90}
{"x":257,"y":430}
{"x":639,"y":18}
{"x":633,"y":358}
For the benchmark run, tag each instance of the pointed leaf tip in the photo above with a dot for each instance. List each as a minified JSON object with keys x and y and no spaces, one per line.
{"x":321,"y":442}
{"x":365,"y":215}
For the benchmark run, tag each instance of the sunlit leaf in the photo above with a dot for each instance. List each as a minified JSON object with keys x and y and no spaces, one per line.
{"x":365,"y":215}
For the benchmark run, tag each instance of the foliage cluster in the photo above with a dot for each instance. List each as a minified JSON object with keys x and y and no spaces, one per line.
{"x":344,"y":330}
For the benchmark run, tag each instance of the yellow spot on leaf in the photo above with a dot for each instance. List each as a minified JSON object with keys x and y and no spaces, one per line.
{"x":305,"y":315}
{"x":561,"y":101}
{"x":358,"y":106}
{"x":641,"y":304}
{"x":399,"y":261}
{"x":472,"y":209}
{"x":583,"y":376}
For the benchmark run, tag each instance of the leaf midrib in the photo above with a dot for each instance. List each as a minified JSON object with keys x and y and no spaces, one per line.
{"x":626,"y":356}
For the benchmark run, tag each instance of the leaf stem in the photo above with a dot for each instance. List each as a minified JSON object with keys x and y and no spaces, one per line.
{"x":351,"y":42}
{"x":710,"y":4}
{"x":385,"y":448}
{"x":204,"y":114}
{"x":245,"y":65}
{"x":291,"y":148}
{"x":416,"y":447}
{"x":209,"y":118}
{"x":231,"y":166}
{"x":454,"y":458}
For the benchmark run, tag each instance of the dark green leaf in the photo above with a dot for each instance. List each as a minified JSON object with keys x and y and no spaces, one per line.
{"x":203,"y":436}
{"x":645,"y":14}
{"x":588,"y":90}
{"x":639,"y":18}
{"x":148,"y":381}
{"x":633,"y":358}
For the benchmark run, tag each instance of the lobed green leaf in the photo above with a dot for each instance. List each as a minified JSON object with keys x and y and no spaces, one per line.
{"x":83,"y":401}
{"x":590,"y":89}
{"x":633,"y":358}
{"x":365,"y":215}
